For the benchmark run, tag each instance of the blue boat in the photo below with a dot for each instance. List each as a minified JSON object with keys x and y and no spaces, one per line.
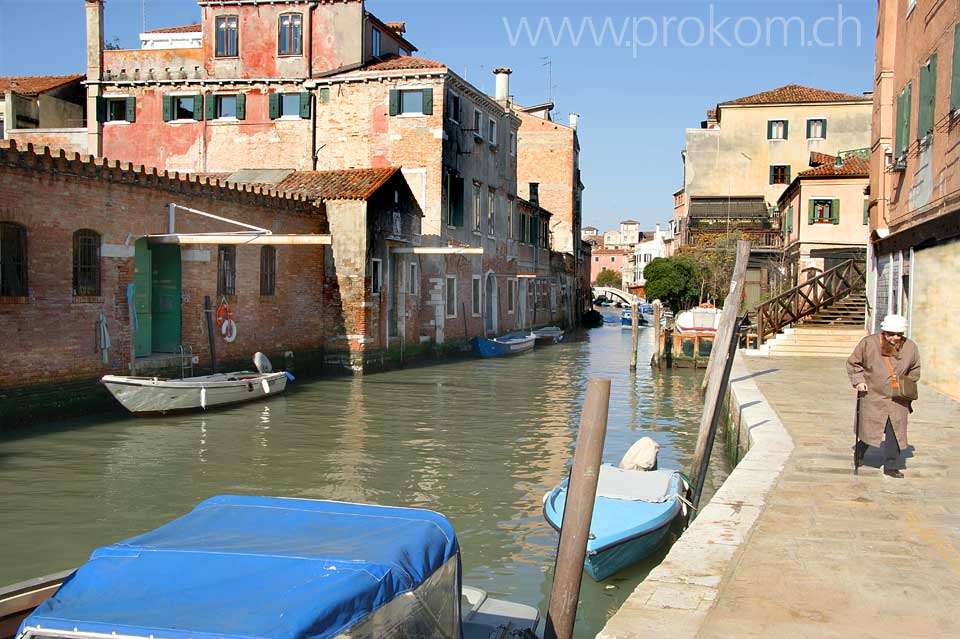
{"x":632,"y":515}
{"x":645,"y":318}
{"x":509,"y":344}
{"x":271,"y":568}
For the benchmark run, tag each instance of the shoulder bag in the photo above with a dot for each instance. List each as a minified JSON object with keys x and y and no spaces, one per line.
{"x":901,"y":386}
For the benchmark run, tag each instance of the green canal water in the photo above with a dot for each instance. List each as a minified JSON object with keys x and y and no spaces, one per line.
{"x":480,"y":441}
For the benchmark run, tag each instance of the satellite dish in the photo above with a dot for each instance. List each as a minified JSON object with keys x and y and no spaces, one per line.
{"x":262,"y":363}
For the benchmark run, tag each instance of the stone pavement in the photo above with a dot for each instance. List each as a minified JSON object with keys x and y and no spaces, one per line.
{"x":797,"y":546}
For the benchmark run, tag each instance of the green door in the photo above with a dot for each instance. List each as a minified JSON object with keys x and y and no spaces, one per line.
{"x":166,"y":298}
{"x":143,"y":298}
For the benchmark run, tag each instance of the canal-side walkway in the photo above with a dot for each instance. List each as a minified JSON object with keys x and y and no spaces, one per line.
{"x":812,"y":550}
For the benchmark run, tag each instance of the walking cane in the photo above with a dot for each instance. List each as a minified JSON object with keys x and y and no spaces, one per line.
{"x":856,"y":443}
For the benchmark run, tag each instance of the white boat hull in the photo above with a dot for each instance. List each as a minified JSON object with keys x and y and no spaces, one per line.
{"x":151,"y":395}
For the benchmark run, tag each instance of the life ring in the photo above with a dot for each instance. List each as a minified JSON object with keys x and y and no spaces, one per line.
{"x":229,"y":330}
{"x":224,"y":314}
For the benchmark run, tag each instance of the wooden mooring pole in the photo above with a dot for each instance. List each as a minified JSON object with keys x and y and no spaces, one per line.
{"x":731,"y":310}
{"x":209,"y":313}
{"x":578,"y":511}
{"x":634,"y":333}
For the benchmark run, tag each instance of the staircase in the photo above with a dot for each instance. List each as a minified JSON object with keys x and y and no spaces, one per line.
{"x":847,"y":312}
{"x":833,"y":331}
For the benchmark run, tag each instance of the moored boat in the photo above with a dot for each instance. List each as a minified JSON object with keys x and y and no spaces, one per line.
{"x":509,"y":344}
{"x":548,"y":335}
{"x":240,"y":566}
{"x":632,"y":515}
{"x":159,"y":396}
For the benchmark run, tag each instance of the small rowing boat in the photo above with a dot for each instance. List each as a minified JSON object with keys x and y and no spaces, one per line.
{"x":549,"y":335}
{"x":509,"y":344}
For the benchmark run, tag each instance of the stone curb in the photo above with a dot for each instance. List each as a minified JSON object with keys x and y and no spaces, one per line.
{"x":677,"y":595}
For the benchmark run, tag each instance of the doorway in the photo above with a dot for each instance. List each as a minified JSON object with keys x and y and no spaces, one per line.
{"x":490,"y":300}
{"x":156,"y":296}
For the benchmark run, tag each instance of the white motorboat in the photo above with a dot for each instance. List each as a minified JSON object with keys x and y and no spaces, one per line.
{"x":158,"y":396}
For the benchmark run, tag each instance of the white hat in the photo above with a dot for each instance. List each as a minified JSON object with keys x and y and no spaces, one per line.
{"x":894,"y":324}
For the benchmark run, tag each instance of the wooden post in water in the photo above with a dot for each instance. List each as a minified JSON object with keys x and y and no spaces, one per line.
{"x":578,"y":511}
{"x":209,"y":312}
{"x":731,"y":310}
{"x":634,"y":332}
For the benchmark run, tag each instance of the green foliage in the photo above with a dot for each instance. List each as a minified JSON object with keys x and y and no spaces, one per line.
{"x":612,"y":279}
{"x":714,"y":257}
{"x":674,"y":281}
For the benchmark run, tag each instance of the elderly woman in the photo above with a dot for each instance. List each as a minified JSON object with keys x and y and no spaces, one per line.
{"x":874,"y":366}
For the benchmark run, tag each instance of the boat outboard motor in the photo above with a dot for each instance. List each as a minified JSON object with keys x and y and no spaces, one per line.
{"x":641,"y":456}
{"x":262,"y":363}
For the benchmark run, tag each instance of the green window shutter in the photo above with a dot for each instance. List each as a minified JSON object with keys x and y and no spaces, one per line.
{"x":907,"y":107}
{"x":428,"y":101}
{"x":769,"y":130}
{"x":325,"y":95}
{"x":305,"y":104}
{"x":788,"y":174}
{"x":932,"y":94}
{"x":824,"y":128}
{"x":790,"y":220}
{"x":898,"y":146}
{"x":210,"y":108}
{"x":786,"y":130}
{"x":924,"y":101}
{"x":198,"y":107}
{"x":101,"y":109}
{"x":394,"y":101}
{"x":274,"y":106}
{"x":772,"y":169}
{"x":866,"y":212}
{"x":241,"y":106}
{"x":167,"y":108}
{"x":835,"y":211}
{"x":809,"y":124}
{"x":131,"y":115}
{"x":813,"y":212}
{"x":955,"y":72}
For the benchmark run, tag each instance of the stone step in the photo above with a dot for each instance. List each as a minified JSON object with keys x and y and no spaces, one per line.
{"x":818,"y":339}
{"x":817,"y":348}
{"x":817,"y":330}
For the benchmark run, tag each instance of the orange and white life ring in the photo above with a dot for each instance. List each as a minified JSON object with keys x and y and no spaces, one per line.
{"x":228,"y":327}
{"x":229,"y":330}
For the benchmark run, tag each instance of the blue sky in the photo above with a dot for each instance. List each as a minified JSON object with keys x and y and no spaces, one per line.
{"x":639,"y":73}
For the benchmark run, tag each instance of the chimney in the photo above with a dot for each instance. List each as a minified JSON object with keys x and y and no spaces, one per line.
{"x":535,"y":193}
{"x":503,"y":83}
{"x":94,"y":9}
{"x":574,"y":119}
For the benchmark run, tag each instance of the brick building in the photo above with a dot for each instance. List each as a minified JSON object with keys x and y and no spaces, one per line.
{"x":86,"y":244}
{"x":45,"y":111}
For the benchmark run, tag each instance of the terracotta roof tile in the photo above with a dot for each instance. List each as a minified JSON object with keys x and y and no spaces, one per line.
{"x":794,"y":93}
{"x":186,"y":28}
{"x":397,"y":62}
{"x":347,"y":184}
{"x":398,"y":27}
{"x":817,"y":158}
{"x":33,"y":85}
{"x":853,"y":166}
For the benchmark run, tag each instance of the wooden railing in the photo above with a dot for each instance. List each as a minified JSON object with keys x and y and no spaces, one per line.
{"x":808,"y":298}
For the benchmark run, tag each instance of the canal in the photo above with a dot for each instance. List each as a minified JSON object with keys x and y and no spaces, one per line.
{"x":480,"y":441}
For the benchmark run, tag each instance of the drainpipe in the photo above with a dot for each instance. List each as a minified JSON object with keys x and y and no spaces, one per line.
{"x":316,"y":96}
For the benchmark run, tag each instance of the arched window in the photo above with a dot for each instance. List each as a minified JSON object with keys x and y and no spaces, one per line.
{"x":268,"y":270}
{"x":13,"y":260}
{"x":86,"y":263}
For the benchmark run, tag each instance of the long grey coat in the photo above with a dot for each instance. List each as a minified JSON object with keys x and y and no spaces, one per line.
{"x":866,"y":365}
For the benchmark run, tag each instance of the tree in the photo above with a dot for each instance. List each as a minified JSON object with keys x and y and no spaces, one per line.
{"x":714,"y":257}
{"x":611,"y":279}
{"x":112,"y":45}
{"x":674,"y":281}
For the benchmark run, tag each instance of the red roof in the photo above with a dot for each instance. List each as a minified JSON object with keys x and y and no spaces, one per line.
{"x":398,"y":27}
{"x":817,"y":158}
{"x":35,"y":84}
{"x":187,"y":28}
{"x":853,"y":166}
{"x":347,"y":184}
{"x":398,"y":62}
{"x":794,"y":93}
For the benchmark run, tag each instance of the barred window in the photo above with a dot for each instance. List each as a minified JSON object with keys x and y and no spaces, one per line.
{"x":86,"y":263}
{"x":268,"y":270}
{"x":13,"y":260}
{"x":226,"y":270}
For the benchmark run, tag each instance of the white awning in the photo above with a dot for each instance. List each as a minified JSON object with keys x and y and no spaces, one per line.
{"x":439,"y":250}
{"x":238,"y":238}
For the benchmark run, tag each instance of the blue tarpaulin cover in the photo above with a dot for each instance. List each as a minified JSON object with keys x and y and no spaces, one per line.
{"x":260,"y":567}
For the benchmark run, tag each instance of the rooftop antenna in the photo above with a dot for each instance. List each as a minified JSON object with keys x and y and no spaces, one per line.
{"x":143,"y":16}
{"x":549,"y":65}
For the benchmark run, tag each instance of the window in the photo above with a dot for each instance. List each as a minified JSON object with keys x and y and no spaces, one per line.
{"x":268,"y":270}
{"x":226,"y":44}
{"x":824,"y":210}
{"x":817,"y":129}
{"x":414,"y":285}
{"x":904,"y":101}
{"x":513,"y":143}
{"x":226,"y":106}
{"x":454,"y":107}
{"x":411,"y":101}
{"x":780,"y":174}
{"x":185,"y":108}
{"x":455,"y":200}
{"x":1,"y":128}
{"x":376,"y":276}
{"x":476,"y":296}
{"x":491,"y":211}
{"x":866,"y":212}
{"x":375,"y":42}
{"x":118,"y":109}
{"x":477,"y":122}
{"x":451,"y":296}
{"x":13,"y":260}
{"x":511,"y":295}
{"x":523,"y":229}
{"x":596,"y":259}
{"x":492,"y":131}
{"x":291,"y":34}
{"x":777,"y":129}
{"x":226,"y":270}
{"x":603,"y":268}
{"x":476,"y":208}
{"x":647,"y":257}
{"x":510,"y":210}
{"x":86,"y":263}
{"x":928,"y":96}
{"x":290,"y":105}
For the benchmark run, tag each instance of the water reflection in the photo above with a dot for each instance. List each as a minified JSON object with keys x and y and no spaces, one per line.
{"x":480,"y":441}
